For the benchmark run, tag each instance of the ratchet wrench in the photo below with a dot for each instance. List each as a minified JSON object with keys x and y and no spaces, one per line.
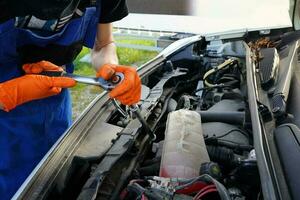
{"x":106,"y":85}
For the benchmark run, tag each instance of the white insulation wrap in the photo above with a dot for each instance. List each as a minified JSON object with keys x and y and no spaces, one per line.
{"x":184,"y":149}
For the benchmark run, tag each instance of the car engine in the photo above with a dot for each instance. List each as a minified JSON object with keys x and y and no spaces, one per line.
{"x":203,"y":147}
{"x":198,"y":143}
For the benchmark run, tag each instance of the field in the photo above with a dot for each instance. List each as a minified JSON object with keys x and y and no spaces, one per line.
{"x":82,"y":94}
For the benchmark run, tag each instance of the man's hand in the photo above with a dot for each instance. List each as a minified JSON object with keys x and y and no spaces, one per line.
{"x":128,"y":92}
{"x":31,"y":87}
{"x":105,"y":60}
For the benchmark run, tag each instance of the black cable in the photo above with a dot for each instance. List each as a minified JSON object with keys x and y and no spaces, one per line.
{"x":228,"y":132}
{"x":210,"y":88}
{"x":165,"y":106}
{"x":168,"y":97}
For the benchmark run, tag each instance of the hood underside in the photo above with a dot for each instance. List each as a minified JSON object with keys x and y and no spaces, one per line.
{"x":208,"y":17}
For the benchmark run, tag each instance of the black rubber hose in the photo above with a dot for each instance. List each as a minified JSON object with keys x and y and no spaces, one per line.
{"x":226,"y":143}
{"x":234,"y":117}
{"x":150,"y":170}
{"x":221,"y":155}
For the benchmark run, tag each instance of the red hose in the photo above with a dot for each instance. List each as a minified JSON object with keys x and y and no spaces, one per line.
{"x":192,"y":188}
{"x":205,"y":191}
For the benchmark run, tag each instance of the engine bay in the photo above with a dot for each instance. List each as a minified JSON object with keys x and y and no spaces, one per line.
{"x":199,"y":142}
{"x":203,"y":147}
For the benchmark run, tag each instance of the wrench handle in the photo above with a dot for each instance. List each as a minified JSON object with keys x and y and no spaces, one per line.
{"x":106,"y":85}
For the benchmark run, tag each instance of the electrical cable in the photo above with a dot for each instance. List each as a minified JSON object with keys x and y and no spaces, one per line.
{"x":168,"y":97}
{"x":221,"y":85}
{"x":213,"y":70}
{"x":230,"y":131}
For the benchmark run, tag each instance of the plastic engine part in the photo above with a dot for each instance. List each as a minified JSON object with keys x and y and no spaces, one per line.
{"x":268,"y":67}
{"x":184,"y":149}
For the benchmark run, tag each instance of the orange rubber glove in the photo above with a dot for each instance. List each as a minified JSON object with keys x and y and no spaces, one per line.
{"x":36,"y":68}
{"x":128,"y":92}
{"x":31,"y":87}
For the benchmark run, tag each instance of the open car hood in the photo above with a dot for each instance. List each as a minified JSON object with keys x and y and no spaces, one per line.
{"x":215,"y":18}
{"x":294,"y":11}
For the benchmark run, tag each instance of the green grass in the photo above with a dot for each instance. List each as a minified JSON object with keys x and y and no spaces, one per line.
{"x":82,"y":94}
{"x":127,"y":40}
{"x":134,"y":57}
{"x":126,"y":56}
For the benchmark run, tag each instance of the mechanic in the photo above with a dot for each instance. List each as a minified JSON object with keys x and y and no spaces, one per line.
{"x":36,"y":110}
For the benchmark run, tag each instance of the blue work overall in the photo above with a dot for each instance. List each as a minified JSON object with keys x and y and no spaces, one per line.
{"x":28,"y":131}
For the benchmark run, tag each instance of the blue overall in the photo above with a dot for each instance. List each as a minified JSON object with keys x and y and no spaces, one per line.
{"x":28,"y":131}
